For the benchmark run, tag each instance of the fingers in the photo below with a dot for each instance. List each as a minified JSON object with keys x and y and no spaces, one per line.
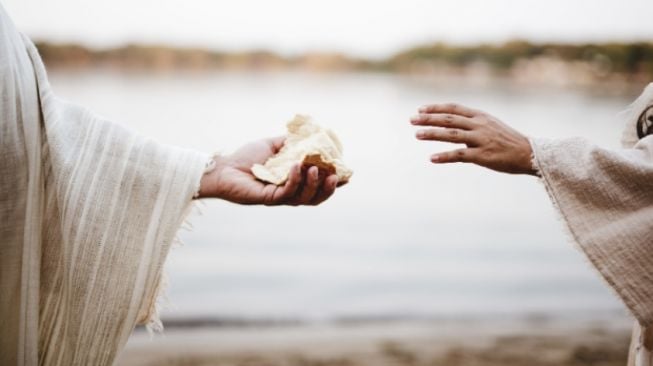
{"x":447,"y":135}
{"x":447,"y":120}
{"x":453,"y":124}
{"x":312,"y":189}
{"x":311,"y":186}
{"x":456,"y":156}
{"x":328,"y":188}
{"x":288,"y":190}
{"x":451,"y":108}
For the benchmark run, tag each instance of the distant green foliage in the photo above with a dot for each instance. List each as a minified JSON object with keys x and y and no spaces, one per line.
{"x":627,"y":58}
{"x":632,"y":60}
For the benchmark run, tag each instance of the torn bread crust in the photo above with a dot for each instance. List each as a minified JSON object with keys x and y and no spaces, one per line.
{"x":307,"y":144}
{"x":316,"y":160}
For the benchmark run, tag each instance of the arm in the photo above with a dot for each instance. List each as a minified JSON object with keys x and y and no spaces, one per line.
{"x":604,"y":196}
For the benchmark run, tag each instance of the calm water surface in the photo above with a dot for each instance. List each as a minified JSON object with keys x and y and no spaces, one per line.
{"x":403,"y":238}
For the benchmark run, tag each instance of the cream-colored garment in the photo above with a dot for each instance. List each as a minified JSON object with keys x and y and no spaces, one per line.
{"x":606,"y":199}
{"x":88,"y":211}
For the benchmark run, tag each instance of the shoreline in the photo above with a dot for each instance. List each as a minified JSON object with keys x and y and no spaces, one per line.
{"x":197,"y":321}
{"x":502,"y":341}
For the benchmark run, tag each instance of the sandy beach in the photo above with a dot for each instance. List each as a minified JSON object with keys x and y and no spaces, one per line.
{"x":531,"y":341}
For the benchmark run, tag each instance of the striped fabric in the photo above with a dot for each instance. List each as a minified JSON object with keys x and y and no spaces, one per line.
{"x":88,"y":211}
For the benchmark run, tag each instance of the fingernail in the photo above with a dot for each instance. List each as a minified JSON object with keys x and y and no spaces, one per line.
{"x":420,"y":134}
{"x":423,"y":108}
{"x":415,"y":119}
{"x":435,"y":158}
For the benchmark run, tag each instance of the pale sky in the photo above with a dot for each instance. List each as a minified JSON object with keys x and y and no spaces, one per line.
{"x":362,"y":28}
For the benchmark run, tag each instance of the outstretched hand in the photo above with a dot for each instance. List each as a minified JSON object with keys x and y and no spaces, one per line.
{"x":490,"y":142}
{"x":232,"y":179}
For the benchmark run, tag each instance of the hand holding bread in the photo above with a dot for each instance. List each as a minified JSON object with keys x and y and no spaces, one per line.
{"x":302,"y":168}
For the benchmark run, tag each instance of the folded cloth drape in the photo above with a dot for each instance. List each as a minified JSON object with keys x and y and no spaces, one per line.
{"x":605,"y":197}
{"x":88,"y":211}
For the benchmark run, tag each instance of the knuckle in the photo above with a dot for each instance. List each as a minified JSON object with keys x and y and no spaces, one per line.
{"x":268,"y":199}
{"x":461,"y":155}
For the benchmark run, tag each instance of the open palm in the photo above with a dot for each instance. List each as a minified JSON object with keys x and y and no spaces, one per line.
{"x":232,"y":179}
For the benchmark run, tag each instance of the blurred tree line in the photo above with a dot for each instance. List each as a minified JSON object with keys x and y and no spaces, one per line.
{"x":623,"y":58}
{"x":633,"y":61}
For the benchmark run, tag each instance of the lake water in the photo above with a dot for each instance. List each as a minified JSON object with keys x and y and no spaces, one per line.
{"x":405,"y":237}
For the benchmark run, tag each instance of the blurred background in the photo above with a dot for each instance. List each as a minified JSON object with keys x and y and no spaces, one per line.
{"x":409,"y":264}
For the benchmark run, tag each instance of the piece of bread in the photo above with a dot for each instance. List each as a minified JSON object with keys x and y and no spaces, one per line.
{"x":307,"y":144}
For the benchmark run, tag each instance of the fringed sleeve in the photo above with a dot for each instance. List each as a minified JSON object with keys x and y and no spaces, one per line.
{"x":89,"y":212}
{"x":605,"y":198}
{"x":115,"y":201}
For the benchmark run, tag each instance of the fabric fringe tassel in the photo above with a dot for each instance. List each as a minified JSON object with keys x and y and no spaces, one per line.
{"x":161,"y":301}
{"x":153,"y":323}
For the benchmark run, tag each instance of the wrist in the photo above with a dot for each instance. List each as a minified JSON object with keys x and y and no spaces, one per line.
{"x":211,"y":180}
{"x":529,"y":164}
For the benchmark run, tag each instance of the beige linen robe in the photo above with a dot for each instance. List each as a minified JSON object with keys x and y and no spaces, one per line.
{"x":606,"y":199}
{"x":88,"y":211}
